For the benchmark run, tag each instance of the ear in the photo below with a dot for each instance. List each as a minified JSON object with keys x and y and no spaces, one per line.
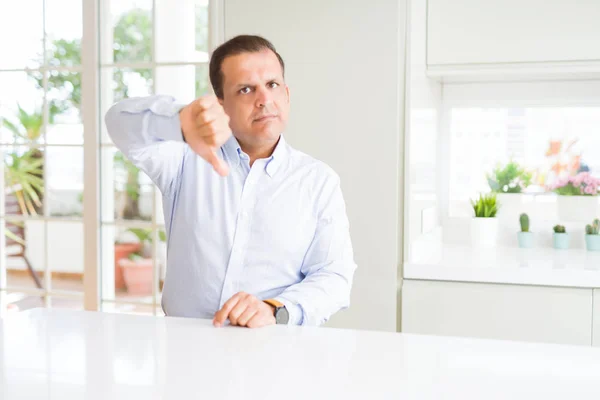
{"x":287,"y":90}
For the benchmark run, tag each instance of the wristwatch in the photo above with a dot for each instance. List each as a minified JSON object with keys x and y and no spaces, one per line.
{"x":282,"y":316}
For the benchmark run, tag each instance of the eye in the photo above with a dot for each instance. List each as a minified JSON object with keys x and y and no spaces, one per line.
{"x":273,"y":85}
{"x":244,"y":90}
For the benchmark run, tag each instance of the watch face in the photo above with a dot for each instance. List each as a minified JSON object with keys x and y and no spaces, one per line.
{"x":282,"y":316}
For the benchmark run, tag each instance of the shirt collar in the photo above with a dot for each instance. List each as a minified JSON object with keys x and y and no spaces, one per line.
{"x":278,"y":157}
{"x":234,"y":153}
{"x":232,"y":150}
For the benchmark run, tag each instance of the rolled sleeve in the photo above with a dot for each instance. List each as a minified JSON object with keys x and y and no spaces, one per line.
{"x":147,"y":130}
{"x":294,"y":310}
{"x":166,"y":124}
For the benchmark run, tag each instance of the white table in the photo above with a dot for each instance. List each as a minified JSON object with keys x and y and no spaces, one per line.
{"x":59,"y":354}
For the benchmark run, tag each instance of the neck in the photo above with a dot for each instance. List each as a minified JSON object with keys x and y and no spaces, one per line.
{"x":256,"y":152}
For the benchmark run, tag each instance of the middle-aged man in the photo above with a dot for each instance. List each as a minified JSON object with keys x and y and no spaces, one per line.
{"x":257,"y":231}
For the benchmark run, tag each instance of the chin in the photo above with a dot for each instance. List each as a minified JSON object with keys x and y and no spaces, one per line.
{"x":269,"y":133}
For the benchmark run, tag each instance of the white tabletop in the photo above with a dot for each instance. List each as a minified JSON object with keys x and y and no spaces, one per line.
{"x":59,"y":354}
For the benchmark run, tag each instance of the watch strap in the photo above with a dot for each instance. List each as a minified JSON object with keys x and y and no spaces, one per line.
{"x":274,"y":303}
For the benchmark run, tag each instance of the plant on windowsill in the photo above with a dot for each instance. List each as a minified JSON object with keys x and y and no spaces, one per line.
{"x":592,"y":236}
{"x":484,"y":227}
{"x":577,"y":196}
{"x":525,"y":237}
{"x":138,"y":266}
{"x":560,"y":238}
{"x":508,"y":181}
{"x":512,"y":178}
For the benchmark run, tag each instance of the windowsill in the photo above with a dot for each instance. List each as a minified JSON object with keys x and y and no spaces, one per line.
{"x":506,"y":265}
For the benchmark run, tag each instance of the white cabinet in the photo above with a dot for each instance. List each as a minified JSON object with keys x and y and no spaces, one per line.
{"x":596,"y":322}
{"x":508,"y":312}
{"x":507,"y":40}
{"x":512,"y":31}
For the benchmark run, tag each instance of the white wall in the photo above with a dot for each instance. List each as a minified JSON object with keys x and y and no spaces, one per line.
{"x":345,"y":69}
{"x":424,"y":105}
{"x":65,"y":246}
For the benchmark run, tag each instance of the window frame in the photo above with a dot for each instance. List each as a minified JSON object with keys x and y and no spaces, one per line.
{"x":91,"y":70}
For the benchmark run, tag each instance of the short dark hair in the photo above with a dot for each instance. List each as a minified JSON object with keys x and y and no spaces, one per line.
{"x":232,"y":47}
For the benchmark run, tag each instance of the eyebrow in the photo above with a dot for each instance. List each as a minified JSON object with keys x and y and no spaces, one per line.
{"x":241,"y":85}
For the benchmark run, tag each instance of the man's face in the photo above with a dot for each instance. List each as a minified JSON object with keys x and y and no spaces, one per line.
{"x":255,"y":97}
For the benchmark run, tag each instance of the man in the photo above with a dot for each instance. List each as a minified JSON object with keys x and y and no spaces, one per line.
{"x":257,"y":231}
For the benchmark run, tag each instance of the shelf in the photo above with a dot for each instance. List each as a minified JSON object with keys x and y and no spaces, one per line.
{"x":537,"y":266}
{"x":509,"y":72}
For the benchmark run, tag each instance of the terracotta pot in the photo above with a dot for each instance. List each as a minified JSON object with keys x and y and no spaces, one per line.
{"x":122,"y":251}
{"x":138,"y":276}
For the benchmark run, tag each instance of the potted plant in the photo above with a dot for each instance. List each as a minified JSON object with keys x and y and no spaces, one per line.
{"x":560,"y":238}
{"x":24,"y":170}
{"x":126,"y":207}
{"x":123,"y":249}
{"x":512,"y":178}
{"x":508,"y":182}
{"x":138,"y":267}
{"x":592,"y":236}
{"x":577,"y":196}
{"x":484,"y":226}
{"x":525,"y":237}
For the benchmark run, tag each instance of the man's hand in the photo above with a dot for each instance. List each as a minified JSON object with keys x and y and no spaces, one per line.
{"x":243,"y":309}
{"x":205,"y":127}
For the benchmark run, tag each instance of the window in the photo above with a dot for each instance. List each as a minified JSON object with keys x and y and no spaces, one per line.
{"x":41,"y":139}
{"x":548,"y":142}
{"x":550,"y":130}
{"x":145,"y":47}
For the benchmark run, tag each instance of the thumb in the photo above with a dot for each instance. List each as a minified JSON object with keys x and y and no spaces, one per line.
{"x":217,"y":163}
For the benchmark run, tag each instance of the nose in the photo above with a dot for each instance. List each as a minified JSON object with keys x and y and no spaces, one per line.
{"x":263,"y":97}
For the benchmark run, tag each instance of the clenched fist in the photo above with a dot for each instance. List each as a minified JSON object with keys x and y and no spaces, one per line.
{"x":205,"y":128}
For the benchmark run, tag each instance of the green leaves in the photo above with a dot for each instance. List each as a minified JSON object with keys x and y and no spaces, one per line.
{"x":568,"y":190}
{"x":145,"y":235}
{"x":486,"y":206}
{"x":510,"y":179}
{"x":24,"y":174}
{"x":29,"y":126}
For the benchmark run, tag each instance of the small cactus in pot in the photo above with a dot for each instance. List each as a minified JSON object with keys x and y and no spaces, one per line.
{"x":524,"y":221}
{"x":525,"y":237}
{"x":560,"y":238}
{"x":592,"y":236}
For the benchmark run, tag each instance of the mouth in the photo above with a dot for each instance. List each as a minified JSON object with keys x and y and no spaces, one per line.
{"x":264,"y":118}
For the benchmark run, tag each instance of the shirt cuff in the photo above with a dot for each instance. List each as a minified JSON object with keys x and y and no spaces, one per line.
{"x":294,"y":310}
